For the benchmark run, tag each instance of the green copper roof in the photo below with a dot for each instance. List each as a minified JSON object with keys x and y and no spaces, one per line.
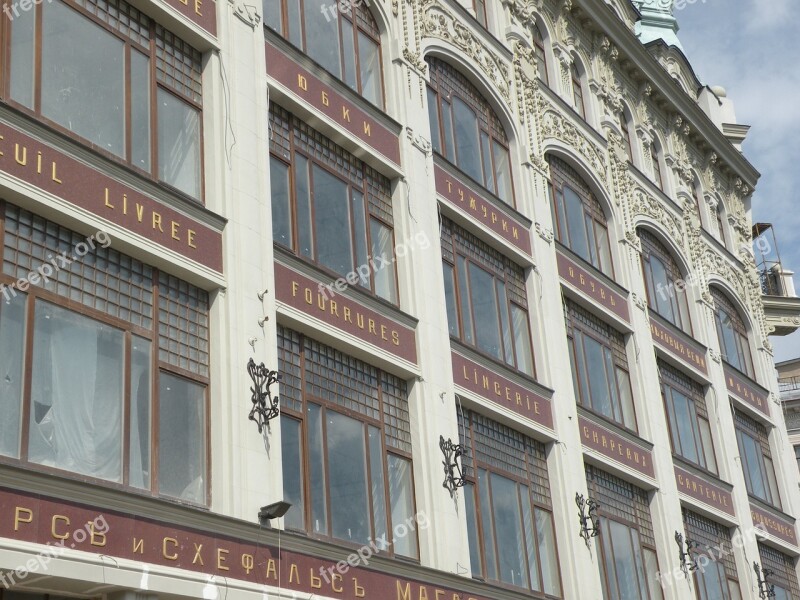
{"x":657,"y":22}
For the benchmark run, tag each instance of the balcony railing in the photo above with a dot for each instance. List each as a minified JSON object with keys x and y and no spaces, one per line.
{"x":789,"y":384}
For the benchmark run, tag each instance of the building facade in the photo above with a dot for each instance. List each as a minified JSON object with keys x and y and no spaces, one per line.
{"x":500,"y":254}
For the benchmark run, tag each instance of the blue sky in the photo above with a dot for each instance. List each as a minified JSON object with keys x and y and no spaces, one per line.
{"x":750,"y":47}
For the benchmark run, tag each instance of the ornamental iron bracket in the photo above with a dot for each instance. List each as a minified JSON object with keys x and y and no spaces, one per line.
{"x":265,"y":407}
{"x":590,"y":524}
{"x":765,"y":589}
{"x":685,"y":556}
{"x":453,"y":476}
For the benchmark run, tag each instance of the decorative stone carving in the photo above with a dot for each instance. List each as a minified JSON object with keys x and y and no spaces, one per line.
{"x":419,"y":142}
{"x":544,"y":232}
{"x":246,"y":13}
{"x":639,"y":302}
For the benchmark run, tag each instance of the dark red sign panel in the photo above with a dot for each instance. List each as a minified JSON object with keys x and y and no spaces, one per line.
{"x":321,"y":302}
{"x":43,"y":520}
{"x":601,"y":293}
{"x":473,"y":204}
{"x":707,"y":493}
{"x":200,"y":12}
{"x":679,"y":346}
{"x":615,"y":446}
{"x":747,"y":391}
{"x":487,"y":383}
{"x":329,"y":102}
{"x":782,"y":528}
{"x":79,"y":184}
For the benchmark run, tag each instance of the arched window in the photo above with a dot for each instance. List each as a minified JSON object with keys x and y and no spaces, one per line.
{"x":580,"y":221}
{"x":466,"y":130}
{"x":626,"y":135}
{"x":732,"y":333}
{"x":538,"y":51}
{"x":666,"y":288}
{"x":345,"y":42}
{"x":577,"y":91}
{"x":658,"y":179}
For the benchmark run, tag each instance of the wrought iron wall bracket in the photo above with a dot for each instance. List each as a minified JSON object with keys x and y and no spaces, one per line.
{"x":587,"y":512}
{"x":265,"y":406}
{"x":685,"y":556}
{"x":765,"y":588}
{"x":453,"y":476}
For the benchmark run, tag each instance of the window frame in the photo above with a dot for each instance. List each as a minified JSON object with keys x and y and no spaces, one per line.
{"x":655,"y":157}
{"x":36,"y":294}
{"x":627,"y":142}
{"x":325,"y":405}
{"x":652,"y":247}
{"x":707,"y":540}
{"x":541,"y":55}
{"x":578,"y":98}
{"x":738,"y":326}
{"x":759,"y":436}
{"x":342,"y":18}
{"x":129,"y":47}
{"x":371,"y":178}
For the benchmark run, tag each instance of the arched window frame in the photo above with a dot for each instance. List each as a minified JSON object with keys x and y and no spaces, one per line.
{"x":719,"y":215}
{"x":563,"y":178}
{"x":356,"y":27}
{"x":655,"y":158}
{"x":697,"y":196}
{"x":735,"y":346}
{"x":578,"y":97}
{"x":625,"y":130}
{"x":448,"y":90}
{"x":541,"y":55}
{"x":668,"y":299}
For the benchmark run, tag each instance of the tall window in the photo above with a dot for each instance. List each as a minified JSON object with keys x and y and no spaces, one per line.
{"x":539,"y":53}
{"x":654,"y":158}
{"x":599,"y":366}
{"x":486,"y":302}
{"x":627,"y":542}
{"x":577,"y":91}
{"x":719,"y":579}
{"x":343,"y":37}
{"x":732,"y":334}
{"x":580,"y":221}
{"x":784,"y":576}
{"x":664,"y":283}
{"x":119,"y":387}
{"x":756,"y":459}
{"x":719,"y":213}
{"x":508,"y":507}
{"x":690,"y":430}
{"x":480,"y":11}
{"x":626,"y":135}
{"x":466,"y":130}
{"x":330,"y":207}
{"x":346,"y":444}
{"x":133,"y":93}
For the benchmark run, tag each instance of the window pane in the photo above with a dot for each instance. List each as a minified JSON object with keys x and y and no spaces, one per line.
{"x":360,"y":235}
{"x":651,"y":571}
{"x":433,"y":118}
{"x":466,"y":308}
{"x":76,"y":397}
{"x":401,"y":495}
{"x":369,"y":60}
{"x":303,"y":196}
{"x":578,"y":241}
{"x":712,"y":582}
{"x":281,"y":202}
{"x":181,"y":440}
{"x":12,"y":353}
{"x":508,"y":524}
{"x":661,"y":281}
{"x":178,"y":143}
{"x":322,"y":35}
{"x":140,"y":111}
{"x":530,"y":539}
{"x":487,"y":524}
{"x":484,"y":303}
{"x":598,"y":382}
{"x":447,"y":128}
{"x":295,"y":22}
{"x":319,"y":503}
{"x":773,"y":484}
{"x":624,"y":561}
{"x":332,"y":222}
{"x":292,"y":460}
{"x":505,"y":322}
{"x":140,"y":423}
{"x":708,"y":445}
{"x":467,"y":143}
{"x":545,"y":533}
{"x":684,"y":420}
{"x":486,"y":159}
{"x":378,"y":488}
{"x":83,"y":85}
{"x":502,"y":165}
{"x":272,"y":14}
{"x":522,"y":339}
{"x":626,"y":398}
{"x":752,"y":449}
{"x":450,"y":299}
{"x":349,"y":54}
{"x":382,"y":241}
{"x":347,"y":471}
{"x":472,"y":530}
{"x":733,"y":588}
{"x":22,"y":48}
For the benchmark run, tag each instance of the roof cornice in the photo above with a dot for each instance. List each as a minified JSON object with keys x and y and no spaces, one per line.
{"x":633,"y":49}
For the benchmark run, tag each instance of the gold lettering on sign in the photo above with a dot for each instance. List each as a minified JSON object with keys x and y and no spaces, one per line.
{"x":57,"y":519}
{"x":138,"y":545}
{"x":18,"y":512}
{"x":166,"y":553}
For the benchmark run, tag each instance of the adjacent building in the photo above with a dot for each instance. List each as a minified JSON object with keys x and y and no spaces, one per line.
{"x":500,"y":253}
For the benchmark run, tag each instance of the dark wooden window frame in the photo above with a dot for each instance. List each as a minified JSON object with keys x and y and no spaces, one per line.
{"x":541,"y":55}
{"x":626,"y":135}
{"x":658,"y":178}
{"x":783,"y":568}
{"x":758,"y":433}
{"x":653,"y":247}
{"x":578,"y":99}
{"x":742,"y":340}
{"x":711,"y":535}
